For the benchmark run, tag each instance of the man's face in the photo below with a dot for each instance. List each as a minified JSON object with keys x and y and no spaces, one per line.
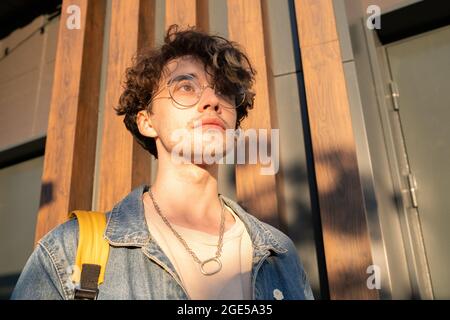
{"x":176,"y":123}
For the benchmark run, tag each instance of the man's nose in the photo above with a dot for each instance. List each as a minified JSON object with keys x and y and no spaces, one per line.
{"x":209,"y":100}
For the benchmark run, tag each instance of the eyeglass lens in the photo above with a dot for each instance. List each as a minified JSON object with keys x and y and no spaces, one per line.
{"x":187,"y":91}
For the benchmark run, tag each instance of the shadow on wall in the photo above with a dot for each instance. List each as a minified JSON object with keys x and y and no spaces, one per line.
{"x":46,"y":194}
{"x":341,"y":174}
{"x":338,"y":186}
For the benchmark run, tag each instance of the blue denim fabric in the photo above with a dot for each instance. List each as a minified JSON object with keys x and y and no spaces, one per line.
{"x":137,"y":267}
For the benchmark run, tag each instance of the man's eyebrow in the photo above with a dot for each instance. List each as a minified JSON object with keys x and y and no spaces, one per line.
{"x":193,"y":75}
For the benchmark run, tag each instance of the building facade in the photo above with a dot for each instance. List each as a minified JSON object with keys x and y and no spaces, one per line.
{"x":358,"y":90}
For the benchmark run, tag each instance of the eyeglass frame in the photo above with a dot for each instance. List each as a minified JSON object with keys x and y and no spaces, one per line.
{"x":203,"y":87}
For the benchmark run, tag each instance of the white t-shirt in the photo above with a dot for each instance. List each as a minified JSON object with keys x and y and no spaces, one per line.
{"x":233,"y":281}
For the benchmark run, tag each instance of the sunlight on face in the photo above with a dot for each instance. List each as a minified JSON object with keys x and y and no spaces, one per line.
{"x":200,"y":129}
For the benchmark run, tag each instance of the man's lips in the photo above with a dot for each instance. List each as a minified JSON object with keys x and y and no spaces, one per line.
{"x":210,"y":122}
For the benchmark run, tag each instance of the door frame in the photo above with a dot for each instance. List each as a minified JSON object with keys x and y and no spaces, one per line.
{"x":417,"y":263}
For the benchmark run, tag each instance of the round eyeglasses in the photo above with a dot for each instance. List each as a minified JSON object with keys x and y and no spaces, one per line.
{"x":186,"y":91}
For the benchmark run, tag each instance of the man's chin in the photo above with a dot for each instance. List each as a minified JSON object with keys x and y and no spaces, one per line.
{"x":202,"y":146}
{"x":205,"y":157}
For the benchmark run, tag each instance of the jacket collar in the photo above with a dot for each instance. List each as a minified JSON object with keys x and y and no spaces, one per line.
{"x":127,"y":225}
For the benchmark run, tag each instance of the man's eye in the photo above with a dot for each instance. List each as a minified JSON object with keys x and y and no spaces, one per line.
{"x":185,"y":86}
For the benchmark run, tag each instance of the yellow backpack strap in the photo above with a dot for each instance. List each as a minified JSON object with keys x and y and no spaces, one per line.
{"x":92,"y":253}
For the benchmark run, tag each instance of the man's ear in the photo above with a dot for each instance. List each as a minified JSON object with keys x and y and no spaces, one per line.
{"x":144,"y":124}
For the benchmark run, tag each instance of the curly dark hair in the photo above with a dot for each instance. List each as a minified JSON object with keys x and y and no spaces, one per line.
{"x":230,"y":68}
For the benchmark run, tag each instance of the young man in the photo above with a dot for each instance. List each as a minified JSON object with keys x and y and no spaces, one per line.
{"x":179,"y":238}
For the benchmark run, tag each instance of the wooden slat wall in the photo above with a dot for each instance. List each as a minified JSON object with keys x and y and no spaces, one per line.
{"x":67,"y":180}
{"x":69,"y":160}
{"x":344,"y":225}
{"x":260,"y":194}
{"x":124,"y":164}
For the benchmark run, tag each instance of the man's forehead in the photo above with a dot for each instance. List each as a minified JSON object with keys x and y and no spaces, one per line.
{"x":184,"y":64}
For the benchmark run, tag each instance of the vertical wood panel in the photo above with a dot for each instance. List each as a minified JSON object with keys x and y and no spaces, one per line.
{"x":203,"y":15}
{"x":123,"y":163}
{"x":259,"y":194}
{"x":181,"y":12}
{"x":188,"y":13}
{"x":345,"y":232}
{"x":67,"y":179}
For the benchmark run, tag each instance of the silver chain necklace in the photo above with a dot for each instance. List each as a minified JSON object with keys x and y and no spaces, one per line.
{"x":196,"y":259}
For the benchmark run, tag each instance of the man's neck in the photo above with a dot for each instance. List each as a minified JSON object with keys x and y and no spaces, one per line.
{"x":187,"y":194}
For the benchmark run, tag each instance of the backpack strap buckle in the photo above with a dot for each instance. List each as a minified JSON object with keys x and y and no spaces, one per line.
{"x":88,"y":289}
{"x":85,"y":294}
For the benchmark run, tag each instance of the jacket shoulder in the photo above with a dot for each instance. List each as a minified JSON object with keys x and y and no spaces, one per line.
{"x":280,"y":237}
{"x":65,"y":235}
{"x":283,"y":240}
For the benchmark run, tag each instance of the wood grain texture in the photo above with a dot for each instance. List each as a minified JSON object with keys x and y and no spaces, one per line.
{"x":202,"y":11}
{"x":181,"y":12}
{"x":188,"y":13}
{"x":343,"y":215}
{"x":259,"y":194}
{"x":67,"y":179}
{"x":317,"y":24}
{"x":124,"y":164}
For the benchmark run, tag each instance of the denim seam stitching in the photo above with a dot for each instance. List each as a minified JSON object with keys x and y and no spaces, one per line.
{"x":56,"y":266}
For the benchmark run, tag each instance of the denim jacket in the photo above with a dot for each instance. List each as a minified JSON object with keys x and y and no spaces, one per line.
{"x":137,"y":267}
